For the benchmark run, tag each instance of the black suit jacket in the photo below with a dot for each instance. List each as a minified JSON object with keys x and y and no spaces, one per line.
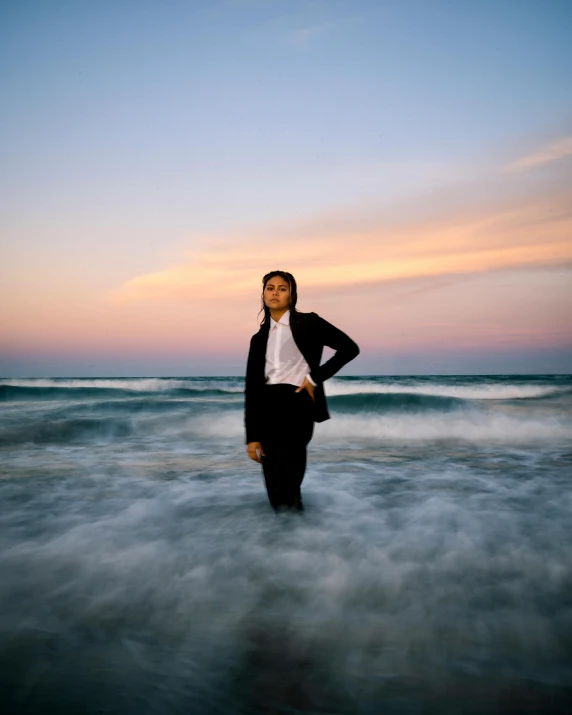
{"x":310,"y":333}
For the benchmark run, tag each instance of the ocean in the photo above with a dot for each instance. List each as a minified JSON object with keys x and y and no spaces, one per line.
{"x":142,"y":569}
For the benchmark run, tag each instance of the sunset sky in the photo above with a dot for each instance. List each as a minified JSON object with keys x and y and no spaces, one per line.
{"x":409,"y":161}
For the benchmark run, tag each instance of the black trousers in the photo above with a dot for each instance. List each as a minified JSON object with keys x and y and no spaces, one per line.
{"x":288,"y":426}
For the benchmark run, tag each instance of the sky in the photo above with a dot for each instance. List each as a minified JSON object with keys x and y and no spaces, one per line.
{"x":408,"y":161}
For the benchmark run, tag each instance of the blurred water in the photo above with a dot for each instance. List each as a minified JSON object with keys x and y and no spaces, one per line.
{"x":143,"y":571}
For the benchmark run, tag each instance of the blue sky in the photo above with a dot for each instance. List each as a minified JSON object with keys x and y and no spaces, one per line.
{"x":134,"y":132}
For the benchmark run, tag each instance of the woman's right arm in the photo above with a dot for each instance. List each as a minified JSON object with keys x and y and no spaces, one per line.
{"x":253,"y":446}
{"x":250,"y":401}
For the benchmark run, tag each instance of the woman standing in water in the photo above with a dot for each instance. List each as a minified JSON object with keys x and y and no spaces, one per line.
{"x":284,"y":392}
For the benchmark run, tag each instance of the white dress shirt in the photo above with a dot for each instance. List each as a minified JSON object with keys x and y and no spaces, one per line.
{"x":284,"y":361}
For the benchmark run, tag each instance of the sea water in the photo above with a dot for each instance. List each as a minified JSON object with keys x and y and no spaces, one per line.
{"x":142,"y":569}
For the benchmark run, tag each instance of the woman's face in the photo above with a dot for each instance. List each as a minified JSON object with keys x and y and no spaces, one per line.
{"x":277,"y":293}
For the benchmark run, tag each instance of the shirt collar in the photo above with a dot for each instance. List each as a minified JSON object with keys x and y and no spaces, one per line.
{"x":284,"y":320}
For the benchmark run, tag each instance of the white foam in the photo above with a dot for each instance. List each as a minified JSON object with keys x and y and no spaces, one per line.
{"x":469,"y":426}
{"x":491,"y":391}
{"x":467,"y":392}
{"x":151,"y":384}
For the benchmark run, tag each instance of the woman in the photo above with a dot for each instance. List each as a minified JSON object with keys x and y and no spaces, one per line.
{"x":284,"y":392}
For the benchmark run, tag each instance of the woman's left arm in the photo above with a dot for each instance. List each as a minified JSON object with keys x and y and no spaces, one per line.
{"x":346,"y":349}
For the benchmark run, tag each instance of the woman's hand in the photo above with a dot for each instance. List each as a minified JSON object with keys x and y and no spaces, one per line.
{"x":307,"y":385}
{"x":253,"y":449}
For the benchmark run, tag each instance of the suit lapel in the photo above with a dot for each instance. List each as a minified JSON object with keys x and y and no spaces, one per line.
{"x":262,"y":343}
{"x":299,"y":334}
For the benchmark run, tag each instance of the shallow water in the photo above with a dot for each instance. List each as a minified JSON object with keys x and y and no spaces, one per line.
{"x":143,"y":570}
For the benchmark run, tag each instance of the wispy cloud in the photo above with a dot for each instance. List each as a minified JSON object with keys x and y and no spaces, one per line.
{"x":301,"y":37}
{"x":528,"y":234}
{"x":486,"y":222}
{"x":553,"y":151}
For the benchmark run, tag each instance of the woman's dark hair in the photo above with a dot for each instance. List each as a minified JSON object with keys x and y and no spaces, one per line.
{"x":289,"y":278}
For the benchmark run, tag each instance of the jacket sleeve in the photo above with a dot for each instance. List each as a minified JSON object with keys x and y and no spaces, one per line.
{"x":346,"y":349}
{"x":251,"y":416}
